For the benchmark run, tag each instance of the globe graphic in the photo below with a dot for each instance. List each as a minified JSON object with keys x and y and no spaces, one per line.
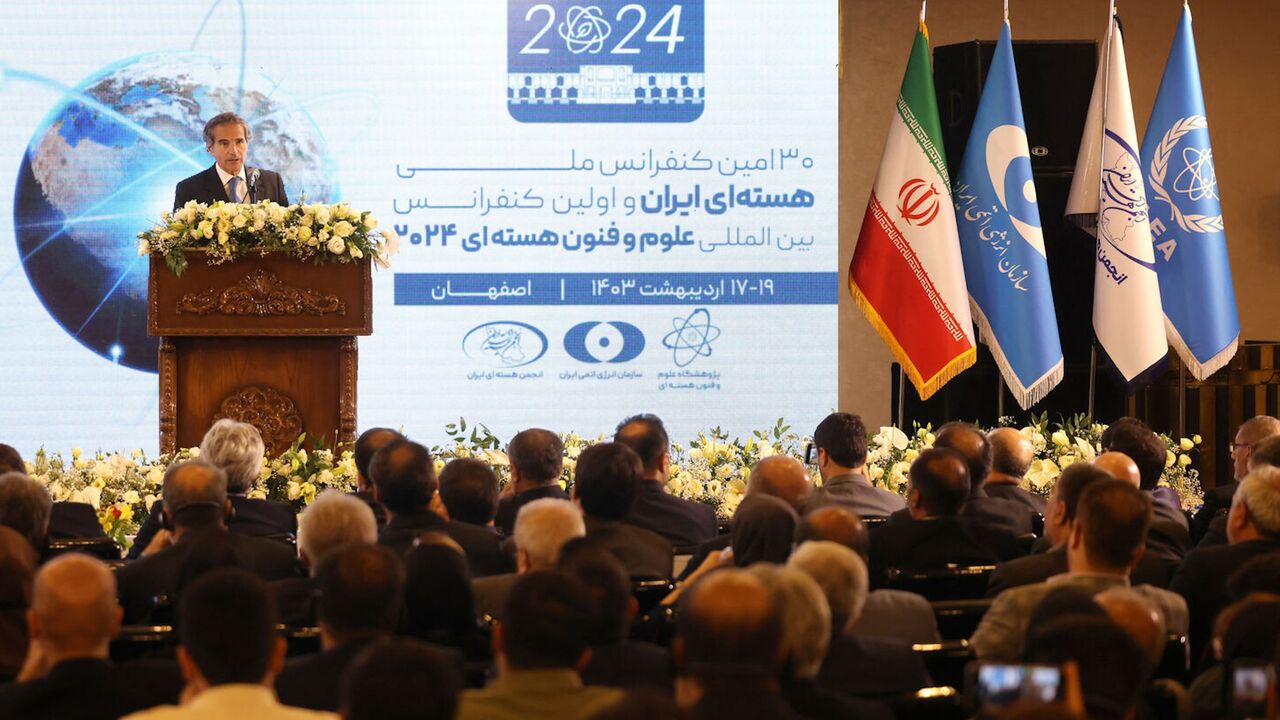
{"x":103,"y":164}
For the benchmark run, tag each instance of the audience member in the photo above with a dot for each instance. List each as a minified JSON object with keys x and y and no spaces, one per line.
{"x":374,"y":686}
{"x":1120,"y":467}
{"x":68,"y":676}
{"x":841,"y":444}
{"x":540,"y":646}
{"x":615,"y":660}
{"x":856,"y":666}
{"x":404,"y":481}
{"x":25,"y":506}
{"x":469,"y":491}
{"x":1060,"y":516}
{"x":1217,"y":500}
{"x":542,"y":527}
{"x":934,"y":535}
{"x":806,"y":630}
{"x":886,"y":613}
{"x":229,"y":652}
{"x":684,"y":523}
{"x":66,"y":519}
{"x":360,"y":592}
{"x":1243,"y":630}
{"x":367,"y":445}
{"x":17,"y":572}
{"x":11,"y":460}
{"x":1253,"y":529}
{"x":439,"y":605}
{"x":1110,"y":663}
{"x":764,"y":528}
{"x":1106,"y":541}
{"x":537,"y":461}
{"x":1011,"y":456}
{"x":195,"y":509}
{"x":643,"y":704}
{"x":729,"y":650}
{"x":1169,"y":536}
{"x":332,"y":520}
{"x":1259,"y":575}
{"x":982,"y":508}
{"x":606,"y":483}
{"x":783,"y":477}
{"x":236,"y":448}
{"x":1132,"y":613}
{"x":1265,"y":452}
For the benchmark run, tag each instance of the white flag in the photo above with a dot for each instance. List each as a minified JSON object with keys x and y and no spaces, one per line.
{"x":1108,"y":198}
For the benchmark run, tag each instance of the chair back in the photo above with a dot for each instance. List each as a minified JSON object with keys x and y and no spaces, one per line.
{"x":945,"y":661}
{"x":954,"y":582}
{"x":931,"y":703}
{"x":103,"y":548}
{"x":958,"y":619}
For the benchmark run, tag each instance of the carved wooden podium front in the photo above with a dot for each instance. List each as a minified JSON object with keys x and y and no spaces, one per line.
{"x":266,"y":340}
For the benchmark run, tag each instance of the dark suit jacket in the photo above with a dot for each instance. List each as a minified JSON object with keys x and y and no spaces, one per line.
{"x":490,"y":593}
{"x":315,"y":681}
{"x":92,"y":689}
{"x":1215,"y":499}
{"x":1013,"y":493}
{"x":1202,"y":581}
{"x":684,"y":522}
{"x":645,"y":554}
{"x":379,"y":512}
{"x":743,"y":702}
{"x":872,"y":666}
{"x":1169,"y":535}
{"x":74,"y":520}
{"x":140,"y":581}
{"x":907,"y":543}
{"x":1152,"y":570}
{"x":630,"y":665}
{"x":855,"y":492}
{"x":295,"y":600}
{"x":809,"y":699}
{"x":255,"y":517}
{"x":505,"y":518}
{"x":206,"y":187}
{"x":483,"y":546}
{"x":997,"y":512}
{"x":402,"y":530}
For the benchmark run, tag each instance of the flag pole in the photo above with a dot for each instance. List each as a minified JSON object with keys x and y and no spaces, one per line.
{"x":1182,"y":398}
{"x":999,"y":395}
{"x":1102,"y":153}
{"x":902,"y":395}
{"x":1093,"y":375}
{"x":1006,"y":10}
{"x":923,"y":5}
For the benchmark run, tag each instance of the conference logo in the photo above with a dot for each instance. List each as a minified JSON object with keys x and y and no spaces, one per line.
{"x":918,"y":202}
{"x":604,"y":342}
{"x":606,"y":61}
{"x":1010,"y":172}
{"x":691,"y":337}
{"x":504,"y":344}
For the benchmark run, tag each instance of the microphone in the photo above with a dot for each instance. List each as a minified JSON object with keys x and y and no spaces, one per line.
{"x":253,"y":184}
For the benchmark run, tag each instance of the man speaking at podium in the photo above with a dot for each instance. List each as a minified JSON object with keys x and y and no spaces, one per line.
{"x":226,"y":137}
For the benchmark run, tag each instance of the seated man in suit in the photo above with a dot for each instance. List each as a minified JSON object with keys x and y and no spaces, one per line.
{"x":606,"y":483}
{"x":237,"y":449}
{"x":1106,"y":541}
{"x":469,"y":492}
{"x":537,"y":460}
{"x":1209,"y":524}
{"x":684,"y":522}
{"x":370,"y":442}
{"x":374,"y":686}
{"x":195,"y":506}
{"x":973,"y":445}
{"x":72,"y":620}
{"x":1011,"y":456}
{"x":332,"y":520}
{"x":66,"y":519}
{"x":935,"y":534}
{"x":404,"y":481}
{"x":1060,"y":515}
{"x":1253,"y":529}
{"x":226,"y":138}
{"x":542,"y":529}
{"x":25,"y":506}
{"x":1169,"y":535}
{"x":841,"y":443}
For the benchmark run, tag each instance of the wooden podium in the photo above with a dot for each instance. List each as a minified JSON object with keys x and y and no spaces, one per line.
{"x":268,"y":340}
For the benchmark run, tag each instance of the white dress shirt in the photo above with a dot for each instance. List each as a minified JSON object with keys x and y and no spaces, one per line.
{"x":226,"y":178}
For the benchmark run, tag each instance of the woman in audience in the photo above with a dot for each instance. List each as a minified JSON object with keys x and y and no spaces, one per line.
{"x":439,"y":607}
{"x":17,"y":570}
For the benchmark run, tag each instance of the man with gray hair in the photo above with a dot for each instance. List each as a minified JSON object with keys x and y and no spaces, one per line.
{"x":68,"y":674}
{"x":332,"y":520}
{"x":855,"y":666}
{"x":1209,"y":524}
{"x":195,"y":506}
{"x":237,"y":449}
{"x":226,"y":138}
{"x":25,"y":506}
{"x":1253,"y":529}
{"x":542,"y":527}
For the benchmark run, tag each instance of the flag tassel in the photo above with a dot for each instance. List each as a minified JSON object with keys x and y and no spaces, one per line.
{"x":1026,"y":396}
{"x":1199,"y":370}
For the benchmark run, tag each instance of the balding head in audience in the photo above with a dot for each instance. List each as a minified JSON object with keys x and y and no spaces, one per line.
{"x":730,"y":636}
{"x":973,"y":446}
{"x":1120,"y":467}
{"x":1249,"y":436}
{"x":332,"y":520}
{"x":648,"y":437}
{"x":842,"y":576}
{"x":404,"y":477}
{"x":73,"y":610}
{"x":543,"y":526}
{"x":367,"y":445}
{"x":25,"y":506}
{"x":1255,"y":509}
{"x":783,"y":477}
{"x":1011,"y":455}
{"x":1143,"y":623}
{"x":835,"y":524}
{"x":195,"y":495}
{"x":537,"y":458}
{"x":939,"y":481}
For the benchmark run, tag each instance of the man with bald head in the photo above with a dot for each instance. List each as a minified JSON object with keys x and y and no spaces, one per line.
{"x":729,"y":651}
{"x":1217,"y":500}
{"x":537,"y":460}
{"x":1011,"y":456}
{"x":973,"y":445}
{"x":71,"y":622}
{"x":783,"y":477}
{"x":195,"y":509}
{"x":1119,"y":466}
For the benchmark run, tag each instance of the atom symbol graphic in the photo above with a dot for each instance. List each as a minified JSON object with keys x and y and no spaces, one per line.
{"x":1197,"y":180}
{"x":691,"y":337}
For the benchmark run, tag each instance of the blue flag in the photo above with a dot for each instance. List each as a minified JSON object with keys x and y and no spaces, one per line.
{"x":1001,"y":241}
{"x":1186,"y":217}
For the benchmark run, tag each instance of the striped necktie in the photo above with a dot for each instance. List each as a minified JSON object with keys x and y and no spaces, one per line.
{"x":233,"y":189}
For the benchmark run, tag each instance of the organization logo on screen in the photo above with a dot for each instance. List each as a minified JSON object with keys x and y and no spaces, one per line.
{"x":504,"y":344}
{"x":604,"y":342}
{"x":605,"y":60}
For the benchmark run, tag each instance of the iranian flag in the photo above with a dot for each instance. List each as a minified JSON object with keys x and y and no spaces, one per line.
{"x":907,"y":274}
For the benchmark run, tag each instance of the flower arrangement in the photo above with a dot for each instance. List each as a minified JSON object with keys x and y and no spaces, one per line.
{"x":226,"y":231}
{"x":712,"y":468}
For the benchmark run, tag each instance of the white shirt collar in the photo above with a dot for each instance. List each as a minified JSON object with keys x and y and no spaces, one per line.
{"x":226,"y":176}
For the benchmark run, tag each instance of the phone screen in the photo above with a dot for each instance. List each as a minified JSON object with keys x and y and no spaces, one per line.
{"x":1251,"y":683}
{"x":999,"y":685}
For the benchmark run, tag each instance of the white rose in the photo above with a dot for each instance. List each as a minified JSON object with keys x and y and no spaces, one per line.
{"x":343,"y":229}
{"x":336,"y":246}
{"x":304,"y":233}
{"x":323,"y":214}
{"x":144,"y":248}
{"x":1060,"y":439}
{"x":294,"y":490}
{"x":370,"y":223}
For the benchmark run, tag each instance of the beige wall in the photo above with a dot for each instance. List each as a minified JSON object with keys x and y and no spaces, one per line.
{"x":1240,"y":71}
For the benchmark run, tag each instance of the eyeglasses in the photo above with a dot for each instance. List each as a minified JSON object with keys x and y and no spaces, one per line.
{"x":1234,"y":446}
